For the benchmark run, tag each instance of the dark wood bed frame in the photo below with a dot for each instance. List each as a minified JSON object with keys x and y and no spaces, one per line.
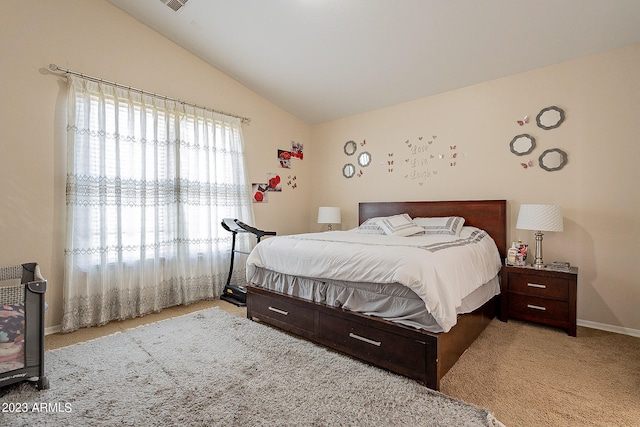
{"x":418,"y":354}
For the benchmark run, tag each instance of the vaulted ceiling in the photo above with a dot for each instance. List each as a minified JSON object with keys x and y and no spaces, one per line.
{"x":327,"y":59}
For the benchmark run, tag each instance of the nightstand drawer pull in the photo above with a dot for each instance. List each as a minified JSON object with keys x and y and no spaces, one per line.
{"x":277,"y":310}
{"x":535,"y":285}
{"x":536,"y":307}
{"x":367,"y":340}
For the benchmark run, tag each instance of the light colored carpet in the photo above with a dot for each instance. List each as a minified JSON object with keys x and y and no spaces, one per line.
{"x":532,"y":375}
{"x":59,"y":340}
{"x":214,"y":368}
{"x":501,"y":371}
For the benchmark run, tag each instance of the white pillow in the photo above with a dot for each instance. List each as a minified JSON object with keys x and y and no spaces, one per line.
{"x":370,"y":226}
{"x":399,"y":225}
{"x":447,"y":225}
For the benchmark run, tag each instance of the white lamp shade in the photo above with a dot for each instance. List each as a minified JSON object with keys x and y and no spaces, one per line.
{"x":540,"y":218}
{"x":329,"y":215}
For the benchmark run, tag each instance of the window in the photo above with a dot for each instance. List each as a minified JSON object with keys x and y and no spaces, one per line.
{"x":148,"y":183}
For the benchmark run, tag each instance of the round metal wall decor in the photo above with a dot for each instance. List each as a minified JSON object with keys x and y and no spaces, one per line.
{"x":553,"y":159}
{"x":348,"y":170}
{"x":550,"y":118}
{"x":364,"y":159}
{"x":350,"y":148}
{"x":522,"y":145}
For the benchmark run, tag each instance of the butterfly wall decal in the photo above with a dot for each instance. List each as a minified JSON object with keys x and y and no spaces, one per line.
{"x":529,"y":164}
{"x":524,"y":121}
{"x":291,"y":183}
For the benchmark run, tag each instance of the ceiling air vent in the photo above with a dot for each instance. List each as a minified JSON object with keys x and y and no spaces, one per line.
{"x":175,"y":5}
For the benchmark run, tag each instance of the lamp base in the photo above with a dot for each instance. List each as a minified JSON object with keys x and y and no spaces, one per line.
{"x":537,"y":262}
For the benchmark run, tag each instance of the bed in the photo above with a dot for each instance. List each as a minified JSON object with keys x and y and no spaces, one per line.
{"x":407,"y":344}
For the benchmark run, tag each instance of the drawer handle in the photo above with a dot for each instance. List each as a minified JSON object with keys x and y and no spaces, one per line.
{"x":277,"y":310}
{"x":535,"y":285}
{"x":536,"y":307}
{"x":367,"y":340}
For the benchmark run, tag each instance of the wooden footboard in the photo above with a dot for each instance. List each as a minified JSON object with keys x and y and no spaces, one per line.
{"x":417,"y":354}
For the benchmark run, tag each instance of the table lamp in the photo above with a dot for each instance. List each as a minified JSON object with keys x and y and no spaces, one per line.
{"x":539,"y":218}
{"x":329,"y":215}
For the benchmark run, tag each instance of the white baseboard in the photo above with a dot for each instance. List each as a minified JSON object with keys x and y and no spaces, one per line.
{"x":52,"y":330}
{"x":609,"y":328}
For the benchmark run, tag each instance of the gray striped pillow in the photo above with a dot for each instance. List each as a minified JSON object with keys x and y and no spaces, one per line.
{"x":400,"y":225}
{"x":446,"y":225}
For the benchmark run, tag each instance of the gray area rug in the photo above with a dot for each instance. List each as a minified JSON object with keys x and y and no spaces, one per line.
{"x":212,"y":368}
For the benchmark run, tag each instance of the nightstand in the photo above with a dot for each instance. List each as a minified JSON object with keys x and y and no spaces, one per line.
{"x":540,"y":295}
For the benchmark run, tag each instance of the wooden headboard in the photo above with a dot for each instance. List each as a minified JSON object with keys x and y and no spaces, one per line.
{"x":489,"y":215}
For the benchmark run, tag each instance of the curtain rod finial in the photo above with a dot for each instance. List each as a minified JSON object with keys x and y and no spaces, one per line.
{"x":53,"y":67}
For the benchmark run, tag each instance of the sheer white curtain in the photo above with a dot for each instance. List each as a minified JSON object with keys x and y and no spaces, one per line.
{"x":148,"y":183}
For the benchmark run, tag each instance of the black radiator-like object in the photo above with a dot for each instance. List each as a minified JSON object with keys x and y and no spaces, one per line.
{"x":22,"y":308}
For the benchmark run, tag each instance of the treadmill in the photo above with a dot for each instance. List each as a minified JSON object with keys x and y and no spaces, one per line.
{"x":237,"y":294}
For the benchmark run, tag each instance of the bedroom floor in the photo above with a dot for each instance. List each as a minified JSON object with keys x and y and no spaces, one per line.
{"x":54,"y":341}
{"x":525,"y":374}
{"x":528,"y":374}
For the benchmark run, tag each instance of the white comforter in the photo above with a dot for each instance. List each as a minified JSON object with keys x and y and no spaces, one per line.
{"x":441,"y":270}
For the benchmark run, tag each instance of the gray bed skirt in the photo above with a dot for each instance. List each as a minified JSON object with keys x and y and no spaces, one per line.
{"x":394,"y":302}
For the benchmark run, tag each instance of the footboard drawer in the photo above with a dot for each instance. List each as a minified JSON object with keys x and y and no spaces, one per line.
{"x":284,"y":314}
{"x":400,"y":354}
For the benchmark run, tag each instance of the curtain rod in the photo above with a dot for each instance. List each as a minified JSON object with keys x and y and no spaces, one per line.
{"x":55,"y":68}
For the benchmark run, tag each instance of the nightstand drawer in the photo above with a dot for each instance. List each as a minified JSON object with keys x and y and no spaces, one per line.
{"x":538,"y":309}
{"x":539,"y":286}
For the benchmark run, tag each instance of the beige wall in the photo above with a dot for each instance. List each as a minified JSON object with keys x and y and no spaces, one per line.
{"x":99,"y":40}
{"x":597,"y":188}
